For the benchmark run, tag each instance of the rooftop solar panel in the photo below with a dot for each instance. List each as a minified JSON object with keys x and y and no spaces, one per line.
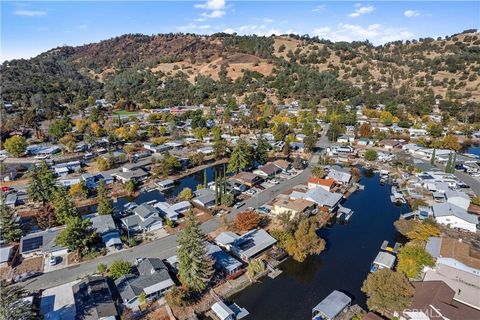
{"x":32,"y":243}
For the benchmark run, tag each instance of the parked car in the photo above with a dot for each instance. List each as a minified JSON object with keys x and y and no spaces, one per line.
{"x":274,"y":181}
{"x":251,"y":192}
{"x":5,"y":189}
{"x":264,"y":210}
{"x":239,"y":204}
{"x":54,"y":260}
{"x":27,"y":275}
{"x":42,"y":156}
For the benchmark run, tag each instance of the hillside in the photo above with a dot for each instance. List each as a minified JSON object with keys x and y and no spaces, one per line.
{"x":171,"y":69}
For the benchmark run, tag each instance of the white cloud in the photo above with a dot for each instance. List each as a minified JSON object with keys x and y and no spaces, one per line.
{"x":192,"y":27}
{"x":29,"y":13}
{"x":376,"y":33}
{"x":411,"y":13}
{"x":268,"y":20}
{"x":82,"y":27}
{"x":260,"y":30}
{"x":361,"y":11}
{"x":319,"y":8}
{"x":212,"y":5}
{"x":214,"y":14}
{"x":214,"y":8}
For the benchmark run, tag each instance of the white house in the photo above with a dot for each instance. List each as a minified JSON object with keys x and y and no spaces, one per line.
{"x":454,"y":216}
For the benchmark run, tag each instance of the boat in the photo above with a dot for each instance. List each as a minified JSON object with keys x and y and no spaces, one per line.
{"x":332,"y":306}
{"x":165,"y":185}
{"x":383,"y":260}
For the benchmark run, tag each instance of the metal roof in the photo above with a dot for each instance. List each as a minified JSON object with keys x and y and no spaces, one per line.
{"x":332,"y":305}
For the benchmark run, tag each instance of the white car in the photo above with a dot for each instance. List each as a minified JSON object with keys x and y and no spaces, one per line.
{"x":54,"y":260}
{"x":274,"y":181}
{"x":42,"y":156}
{"x":251,"y":192}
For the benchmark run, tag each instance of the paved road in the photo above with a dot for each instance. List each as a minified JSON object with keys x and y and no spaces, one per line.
{"x":164,"y":247}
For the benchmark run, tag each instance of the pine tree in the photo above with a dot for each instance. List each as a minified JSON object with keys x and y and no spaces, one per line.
{"x":216,"y":190}
{"x":454,"y":162}
{"x":9,"y":226}
{"x":63,"y":205}
{"x":41,"y":184}
{"x":13,"y":305}
{"x":77,"y":234}
{"x":241,"y":156}
{"x":432,"y":160}
{"x":105,"y":205}
{"x":194,"y":268}
{"x":449,"y":163}
{"x":205,"y":184}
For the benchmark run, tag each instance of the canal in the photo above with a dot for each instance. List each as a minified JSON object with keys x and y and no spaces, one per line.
{"x":344,"y":264}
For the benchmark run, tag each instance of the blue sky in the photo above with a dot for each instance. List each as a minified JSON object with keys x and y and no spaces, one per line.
{"x":31,"y":27}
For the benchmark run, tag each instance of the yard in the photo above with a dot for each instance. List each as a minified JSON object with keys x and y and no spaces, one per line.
{"x":125,"y":113}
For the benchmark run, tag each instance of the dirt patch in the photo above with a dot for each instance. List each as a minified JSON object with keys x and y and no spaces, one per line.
{"x":29,"y":264}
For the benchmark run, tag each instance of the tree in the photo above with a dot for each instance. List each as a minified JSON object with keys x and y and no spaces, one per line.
{"x":318,"y":172}
{"x":119,"y":268}
{"x":247,"y":220}
{"x":387,"y":291}
{"x":104,"y":164}
{"x":185,"y":194}
{"x":16,"y":146}
{"x":9,"y":224}
{"x":434,"y":129}
{"x":305,"y":240}
{"x":131,"y":186}
{"x":422,"y":231}
{"x":365,"y":130}
{"x":241,"y":156}
{"x":105,"y":205}
{"x":310,"y":142}
{"x":227,"y":199}
{"x":286,"y":149}
{"x":371,"y":155}
{"x":434,"y":155}
{"x":79,"y":190}
{"x":451,"y":142}
{"x":13,"y":303}
{"x":63,"y":205}
{"x":46,"y":217}
{"x":77,"y":234}
{"x":220,"y":148}
{"x":41,"y":184}
{"x":194,"y":268}
{"x":261,"y":152}
{"x":412,"y":258}
{"x":255,"y":267}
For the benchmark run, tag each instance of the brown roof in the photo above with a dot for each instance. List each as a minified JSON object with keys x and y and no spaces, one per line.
{"x":453,"y":248}
{"x":474,"y":209}
{"x":269,"y":168}
{"x":282,"y":164}
{"x":323,"y":182}
{"x":439,"y":295}
{"x":246,"y":176}
{"x":372,"y":316}
{"x":296,"y":205}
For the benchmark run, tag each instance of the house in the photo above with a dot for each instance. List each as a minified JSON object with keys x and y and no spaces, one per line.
{"x":42,"y":149}
{"x":383,"y":260}
{"x":92,"y":181}
{"x":205,"y":198}
{"x":327,"y":184}
{"x":282,"y":164}
{"x":454,"y":216}
{"x":208,"y":150}
{"x":172,"y":212}
{"x":247,"y":246}
{"x":105,"y":227}
{"x":458,"y":198}
{"x":93,"y":299}
{"x":340,"y":176}
{"x":454,"y":253}
{"x":330,"y":307}
{"x":135,"y":175}
{"x":11,"y":200}
{"x":42,"y":242}
{"x":294,"y":207}
{"x":435,"y":300}
{"x":364,"y":142}
{"x":153,"y":280}
{"x":6,"y":253}
{"x":223,"y":261}
{"x":145,"y":218}
{"x":346,"y":139}
{"x":323,"y":198}
{"x":247,"y":178}
{"x":389,"y":144}
{"x":269,"y":170}
{"x":58,"y":302}
{"x":222,"y":311}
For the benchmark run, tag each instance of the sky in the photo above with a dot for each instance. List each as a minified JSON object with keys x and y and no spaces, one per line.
{"x":29,"y":28}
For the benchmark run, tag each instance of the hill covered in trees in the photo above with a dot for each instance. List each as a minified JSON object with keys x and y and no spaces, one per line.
{"x":175,"y":69}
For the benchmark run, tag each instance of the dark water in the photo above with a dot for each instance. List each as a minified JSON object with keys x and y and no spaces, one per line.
{"x":473,"y":149}
{"x":343,"y":266}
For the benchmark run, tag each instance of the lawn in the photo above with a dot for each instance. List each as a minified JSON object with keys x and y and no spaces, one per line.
{"x":125,"y":113}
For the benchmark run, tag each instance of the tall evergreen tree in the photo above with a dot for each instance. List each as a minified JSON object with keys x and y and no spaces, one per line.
{"x":9,"y":226}
{"x":194,"y":268}
{"x":261,"y":152}
{"x":13,"y":305}
{"x":432,"y":160}
{"x":105,"y":205}
{"x":205,"y":183}
{"x":63,"y":205}
{"x":241,"y":156}
{"x":77,"y":234}
{"x":449,"y":163}
{"x":41,"y":184}
{"x":454,"y":163}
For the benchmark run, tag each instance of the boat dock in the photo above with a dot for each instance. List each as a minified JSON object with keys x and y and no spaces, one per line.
{"x":385,"y":247}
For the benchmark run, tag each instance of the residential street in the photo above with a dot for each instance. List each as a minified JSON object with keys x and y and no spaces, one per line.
{"x":166,"y":247}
